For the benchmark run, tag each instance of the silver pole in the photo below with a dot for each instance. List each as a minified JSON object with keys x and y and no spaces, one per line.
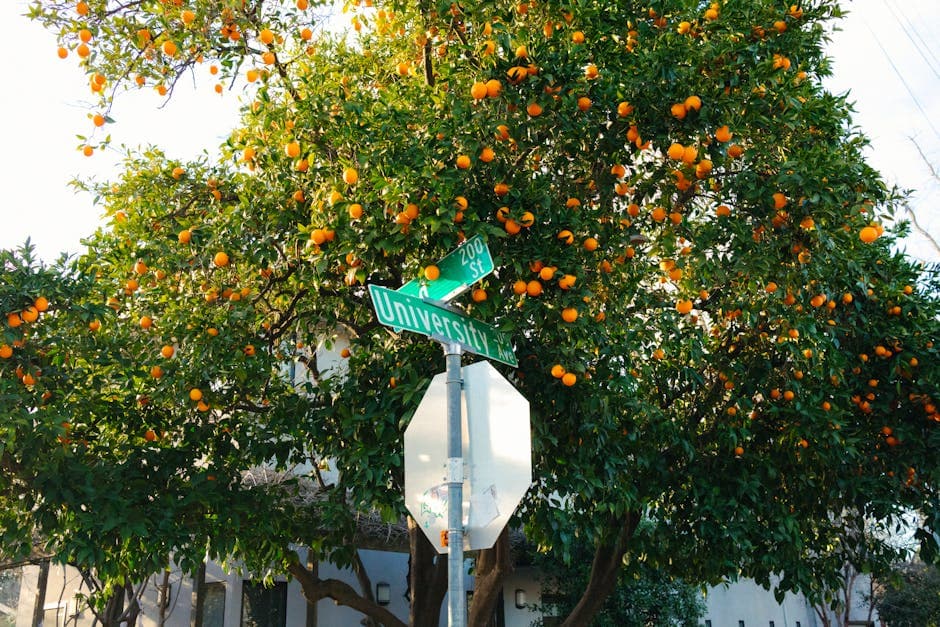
{"x":456,"y":597}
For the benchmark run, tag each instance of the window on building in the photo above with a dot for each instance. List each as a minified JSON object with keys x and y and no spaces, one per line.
{"x":10,"y":580}
{"x":213,"y":605}
{"x":550,"y":609}
{"x":55,"y":614}
{"x":264,"y":606}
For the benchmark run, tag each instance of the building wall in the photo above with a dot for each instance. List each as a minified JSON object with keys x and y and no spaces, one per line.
{"x":730,"y":605}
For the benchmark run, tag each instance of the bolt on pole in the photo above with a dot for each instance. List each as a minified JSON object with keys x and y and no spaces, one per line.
{"x":457,"y":599}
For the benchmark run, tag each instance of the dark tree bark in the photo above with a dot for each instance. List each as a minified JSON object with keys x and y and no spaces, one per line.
{"x":198,"y":595}
{"x":605,"y":569}
{"x":40,"y":600}
{"x":491,"y":568}
{"x":342,"y":593}
{"x":427,"y":578}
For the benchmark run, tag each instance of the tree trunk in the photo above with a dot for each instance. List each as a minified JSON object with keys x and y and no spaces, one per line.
{"x":427,"y":578}
{"x":491,"y":568}
{"x":40,"y":602}
{"x":114,"y":608}
{"x":342,"y":593}
{"x":605,"y":570}
{"x":163,"y":598}
{"x":198,"y":595}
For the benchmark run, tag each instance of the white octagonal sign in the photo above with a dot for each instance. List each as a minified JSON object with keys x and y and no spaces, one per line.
{"x":497,"y":453}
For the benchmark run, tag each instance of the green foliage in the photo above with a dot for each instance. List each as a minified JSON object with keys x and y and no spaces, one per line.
{"x":643,"y":596}
{"x":795,"y":399}
{"x":911,"y":598}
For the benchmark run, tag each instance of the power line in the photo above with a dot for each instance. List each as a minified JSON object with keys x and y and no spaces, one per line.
{"x":903,"y":81}
{"x":922,"y":48}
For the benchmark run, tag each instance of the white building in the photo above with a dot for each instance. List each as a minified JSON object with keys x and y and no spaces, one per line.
{"x":232,"y":601}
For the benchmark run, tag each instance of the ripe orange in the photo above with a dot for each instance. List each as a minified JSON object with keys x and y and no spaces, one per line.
{"x":184,"y":236}
{"x":220,"y":259}
{"x":868,"y":234}
{"x":569,"y":378}
{"x":684,"y":306}
{"x":350,"y":176}
{"x":463,"y":162}
{"x":558,"y":371}
{"x":249,"y":350}
{"x":780,"y":200}
{"x":577,"y":37}
{"x":169,"y":48}
{"x":195,"y":394}
{"x":566,"y":236}
{"x":478,"y":91}
{"x":519,"y":287}
{"x":590,"y":244}
{"x":94,"y":325}
{"x":150,"y":435}
{"x":501,"y":189}
{"x":493,"y":88}
{"x":693,"y":103}
{"x":432,"y":273}
{"x":146,"y":322}
{"x":723,"y":134}
{"x":567,"y":281}
{"x":624,"y":109}
{"x":478,"y":295}
{"x":584,"y":103}
{"x":534,"y":109}
{"x":487,"y":155}
{"x":675,"y":151}
{"x":156,"y":372}
{"x":533,"y":288}
{"x":6,"y":351}
{"x":678,"y":110}
{"x":167,"y":351}
{"x":569,"y":314}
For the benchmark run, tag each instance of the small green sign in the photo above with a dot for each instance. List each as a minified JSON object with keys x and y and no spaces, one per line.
{"x":460,"y":269}
{"x":403,"y":311}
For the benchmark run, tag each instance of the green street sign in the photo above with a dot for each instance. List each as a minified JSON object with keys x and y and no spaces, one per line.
{"x":459,"y":270}
{"x":403,"y":311}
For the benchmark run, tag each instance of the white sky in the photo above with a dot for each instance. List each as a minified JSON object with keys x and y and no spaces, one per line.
{"x":887,"y":55}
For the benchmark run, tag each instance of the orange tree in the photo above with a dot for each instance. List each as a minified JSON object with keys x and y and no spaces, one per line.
{"x":712,"y":325}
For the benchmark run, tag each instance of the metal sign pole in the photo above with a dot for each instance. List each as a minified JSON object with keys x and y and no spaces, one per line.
{"x":457,"y":599}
